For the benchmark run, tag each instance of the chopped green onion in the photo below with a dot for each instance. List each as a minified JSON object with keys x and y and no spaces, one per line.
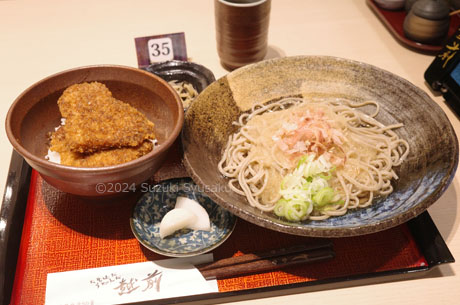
{"x":331,"y":206}
{"x":306,"y":188}
{"x":323,"y":196}
{"x":301,"y":161}
{"x":326,"y":176}
{"x":292,"y":210}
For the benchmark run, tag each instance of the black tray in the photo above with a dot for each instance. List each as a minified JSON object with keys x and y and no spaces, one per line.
{"x":424,"y":231}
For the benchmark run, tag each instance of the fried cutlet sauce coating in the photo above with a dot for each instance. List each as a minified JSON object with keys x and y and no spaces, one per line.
{"x":99,"y":130}
{"x":95,"y":120}
{"x":107,"y":157}
{"x":77,"y":95}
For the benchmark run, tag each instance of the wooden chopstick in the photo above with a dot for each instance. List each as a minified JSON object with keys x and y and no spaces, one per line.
{"x":266,"y":261}
{"x":246,"y":258}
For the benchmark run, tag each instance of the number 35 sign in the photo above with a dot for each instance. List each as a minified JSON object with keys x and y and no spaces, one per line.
{"x":160,"y":48}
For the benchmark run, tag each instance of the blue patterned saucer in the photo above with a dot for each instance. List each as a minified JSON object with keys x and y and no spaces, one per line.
{"x":160,"y":199}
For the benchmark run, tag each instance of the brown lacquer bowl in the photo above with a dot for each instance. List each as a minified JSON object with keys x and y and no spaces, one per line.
{"x":424,"y":175}
{"x":35,"y":113}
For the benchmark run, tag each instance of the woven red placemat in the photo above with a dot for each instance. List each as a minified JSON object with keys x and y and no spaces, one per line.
{"x":62,"y":232}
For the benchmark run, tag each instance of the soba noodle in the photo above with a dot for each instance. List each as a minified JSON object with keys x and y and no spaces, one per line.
{"x":357,"y":154}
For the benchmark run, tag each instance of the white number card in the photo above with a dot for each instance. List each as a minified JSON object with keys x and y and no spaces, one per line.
{"x":129,"y":283}
{"x":160,"y":48}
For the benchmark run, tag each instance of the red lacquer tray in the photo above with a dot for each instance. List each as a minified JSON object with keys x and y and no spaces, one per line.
{"x":393,"y":20}
{"x":50,"y":231}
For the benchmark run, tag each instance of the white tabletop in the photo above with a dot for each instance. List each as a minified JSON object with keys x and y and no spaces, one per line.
{"x":39,"y":38}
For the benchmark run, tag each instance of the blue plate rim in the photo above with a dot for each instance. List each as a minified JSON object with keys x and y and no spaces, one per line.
{"x":174,"y":254}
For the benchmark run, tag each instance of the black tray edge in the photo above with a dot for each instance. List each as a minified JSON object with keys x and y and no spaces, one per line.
{"x":430,"y":242}
{"x":12,"y":213}
{"x":11,"y":221}
{"x":276,"y":291}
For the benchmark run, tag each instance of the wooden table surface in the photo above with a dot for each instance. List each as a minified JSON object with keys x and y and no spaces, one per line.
{"x":39,"y":38}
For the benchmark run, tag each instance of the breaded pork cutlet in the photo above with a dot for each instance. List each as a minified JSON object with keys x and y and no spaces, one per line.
{"x":97,"y":121}
{"x":99,"y":158}
{"x":99,"y":130}
{"x":76,"y":95}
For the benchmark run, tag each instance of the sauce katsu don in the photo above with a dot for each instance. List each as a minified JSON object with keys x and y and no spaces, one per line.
{"x":98,"y":129}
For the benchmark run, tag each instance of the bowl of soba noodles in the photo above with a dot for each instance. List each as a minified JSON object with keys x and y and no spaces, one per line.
{"x":319,"y":146}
